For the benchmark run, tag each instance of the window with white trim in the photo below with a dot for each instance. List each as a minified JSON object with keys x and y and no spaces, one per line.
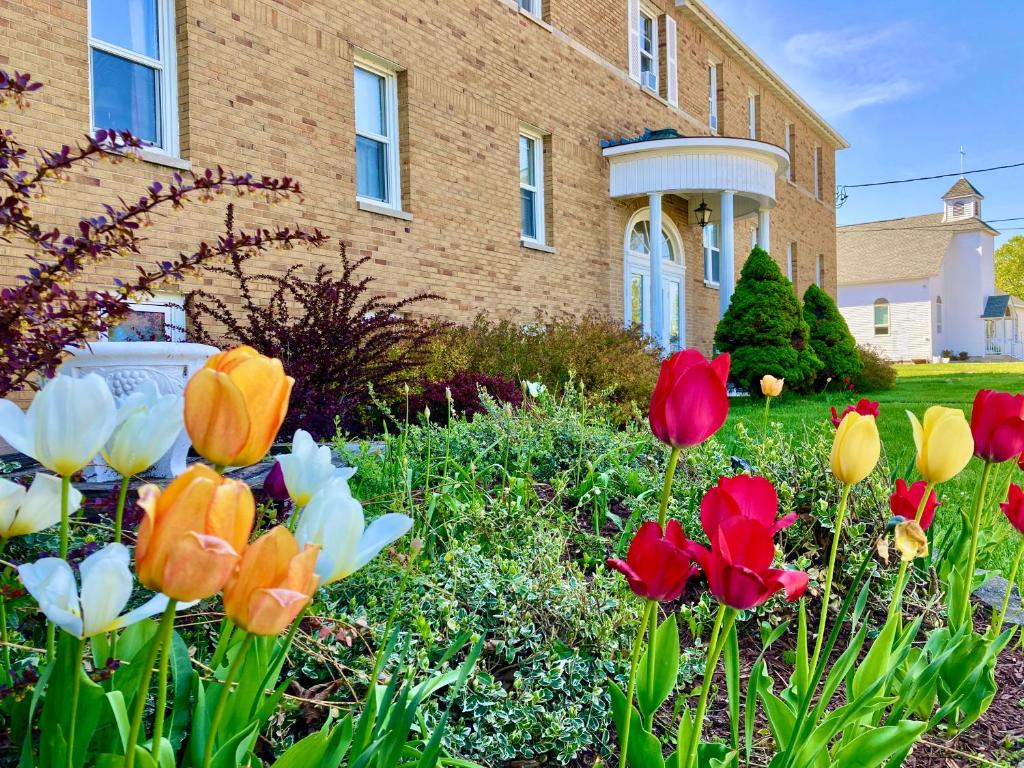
{"x":752,"y":104}
{"x":532,"y":7}
{"x":648,"y":26}
{"x":531,"y":186}
{"x":161,"y":317}
{"x":378,"y":177}
{"x":881,"y":317}
{"x":638,"y":277}
{"x":712,"y":254}
{"x":938,"y":314}
{"x":713,"y":97}
{"x":791,"y":263}
{"x":819,"y":271}
{"x":132,"y":70}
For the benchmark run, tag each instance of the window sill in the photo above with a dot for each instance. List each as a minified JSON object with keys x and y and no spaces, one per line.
{"x":383,"y":210}
{"x":709,"y":284}
{"x":536,"y":20}
{"x":154,"y":156}
{"x":533,"y":245}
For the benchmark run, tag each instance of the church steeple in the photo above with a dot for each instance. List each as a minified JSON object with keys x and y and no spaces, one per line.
{"x":962,"y":201}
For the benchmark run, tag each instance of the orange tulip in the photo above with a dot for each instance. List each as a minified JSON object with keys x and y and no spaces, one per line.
{"x":234,"y":406}
{"x":273,"y":583}
{"x":192,"y":533}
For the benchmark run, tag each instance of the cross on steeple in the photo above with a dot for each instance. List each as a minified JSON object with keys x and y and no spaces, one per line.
{"x":962,"y":155}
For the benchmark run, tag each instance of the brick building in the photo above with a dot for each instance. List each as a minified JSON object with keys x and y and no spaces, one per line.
{"x":473,"y":149}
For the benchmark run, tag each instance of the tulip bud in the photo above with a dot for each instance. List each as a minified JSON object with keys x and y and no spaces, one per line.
{"x":911,"y":540}
{"x":905,"y":502}
{"x":274,"y":581}
{"x":1013,"y":507}
{"x":690,"y":401}
{"x":944,"y":443}
{"x":192,"y":533}
{"x":234,"y":406}
{"x":771,"y":386}
{"x":997,"y":425}
{"x":657,"y":565}
{"x":855,"y":448}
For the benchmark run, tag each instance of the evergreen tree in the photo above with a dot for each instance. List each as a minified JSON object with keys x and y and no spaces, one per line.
{"x":764,"y":329}
{"x":830,"y":337}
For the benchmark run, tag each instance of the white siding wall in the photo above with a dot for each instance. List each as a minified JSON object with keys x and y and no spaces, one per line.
{"x":910,"y":317}
{"x":967,"y":278}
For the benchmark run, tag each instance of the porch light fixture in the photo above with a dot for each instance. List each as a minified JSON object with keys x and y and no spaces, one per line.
{"x":703,"y":213}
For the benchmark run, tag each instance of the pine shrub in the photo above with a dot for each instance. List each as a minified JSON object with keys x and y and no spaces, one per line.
{"x":764,"y":329}
{"x":830,"y":337}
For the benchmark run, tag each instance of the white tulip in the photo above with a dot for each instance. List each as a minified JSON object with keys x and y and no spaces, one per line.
{"x":148,"y":423}
{"x":67,"y":423}
{"x":106,"y":588}
{"x":23,"y":512}
{"x":308,"y":468}
{"x":334,"y":521}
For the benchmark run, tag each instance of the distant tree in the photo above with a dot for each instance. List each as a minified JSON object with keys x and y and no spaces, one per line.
{"x":830,"y":337}
{"x":1010,"y":266}
{"x":764,"y":329}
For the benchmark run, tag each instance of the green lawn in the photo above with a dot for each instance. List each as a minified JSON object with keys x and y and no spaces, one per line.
{"x":918,"y":386}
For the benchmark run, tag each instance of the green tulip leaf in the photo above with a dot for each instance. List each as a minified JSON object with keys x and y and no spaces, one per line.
{"x":873,"y":747}
{"x":651,"y":691}
{"x":644,"y":750}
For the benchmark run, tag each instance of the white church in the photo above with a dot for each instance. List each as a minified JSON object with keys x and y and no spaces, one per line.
{"x":921,"y":286}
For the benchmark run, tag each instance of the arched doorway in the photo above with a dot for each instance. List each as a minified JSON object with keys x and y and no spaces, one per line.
{"x":637,"y":273}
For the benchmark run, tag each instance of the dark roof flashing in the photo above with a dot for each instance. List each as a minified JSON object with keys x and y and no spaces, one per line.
{"x":648,"y":135}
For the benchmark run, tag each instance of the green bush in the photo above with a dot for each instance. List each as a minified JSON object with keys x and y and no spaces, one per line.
{"x":615,"y":364}
{"x":877,"y":372}
{"x":830,"y":338}
{"x":764,"y":329}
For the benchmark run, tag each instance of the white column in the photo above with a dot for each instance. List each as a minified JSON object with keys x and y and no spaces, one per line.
{"x":727,"y":276}
{"x":764,"y":232}
{"x":658,"y":330}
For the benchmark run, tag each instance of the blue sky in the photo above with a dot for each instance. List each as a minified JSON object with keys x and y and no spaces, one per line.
{"x":906,"y":83}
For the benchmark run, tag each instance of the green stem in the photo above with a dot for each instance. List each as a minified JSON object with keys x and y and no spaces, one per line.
{"x":715,"y":646}
{"x":222,"y":700}
{"x":166,"y":623}
{"x":836,"y":535}
{"x":378,"y":662}
{"x":666,"y":491}
{"x":279,"y":657}
{"x":4,"y":639}
{"x":634,"y":662}
{"x":997,"y":622}
{"x":767,"y":403}
{"x":972,"y":558}
{"x":76,"y":685}
{"x":293,"y":521}
{"x":65,"y":490}
{"x":161,"y":694}
{"x":652,"y":626}
{"x":122,"y":496}
{"x":896,"y":604}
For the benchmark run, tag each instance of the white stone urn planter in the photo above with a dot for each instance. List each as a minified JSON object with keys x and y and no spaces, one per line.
{"x":126,"y":364}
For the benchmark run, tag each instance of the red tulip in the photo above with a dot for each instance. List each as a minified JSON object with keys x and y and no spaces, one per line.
{"x":997,"y":423}
{"x":690,"y":401}
{"x":905,"y":501}
{"x":744,"y":496}
{"x":657,"y":566}
{"x":1013,"y":507}
{"x":864,"y":407}
{"x":738,"y":566}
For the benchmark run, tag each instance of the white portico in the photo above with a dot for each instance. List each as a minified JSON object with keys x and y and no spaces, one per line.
{"x":732,"y":177}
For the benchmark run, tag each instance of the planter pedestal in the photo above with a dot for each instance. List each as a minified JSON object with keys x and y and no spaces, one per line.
{"x":126,"y":364}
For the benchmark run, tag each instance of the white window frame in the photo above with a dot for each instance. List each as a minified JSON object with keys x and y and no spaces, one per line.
{"x":539,"y":219}
{"x":171,"y":305}
{"x":819,"y":264}
{"x":752,"y":116}
{"x":938,"y":314}
{"x":789,"y":261}
{"x":647,"y":15}
{"x":713,"y":96}
{"x":882,"y":302}
{"x":708,"y":253}
{"x":167,"y":76}
{"x":393,"y":158}
{"x":532,"y":7}
{"x":673,"y":271}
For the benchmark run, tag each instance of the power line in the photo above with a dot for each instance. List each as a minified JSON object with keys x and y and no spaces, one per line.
{"x":929,"y":178}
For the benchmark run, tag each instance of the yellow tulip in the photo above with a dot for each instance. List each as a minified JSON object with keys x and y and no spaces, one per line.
{"x":192,"y":533}
{"x":771,"y":386}
{"x":911,"y":540}
{"x":944,"y":443}
{"x":274,"y":581}
{"x":856,"y":448}
{"x":234,"y":406}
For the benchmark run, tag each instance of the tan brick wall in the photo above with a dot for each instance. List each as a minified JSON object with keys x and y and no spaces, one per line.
{"x":267,"y":86}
